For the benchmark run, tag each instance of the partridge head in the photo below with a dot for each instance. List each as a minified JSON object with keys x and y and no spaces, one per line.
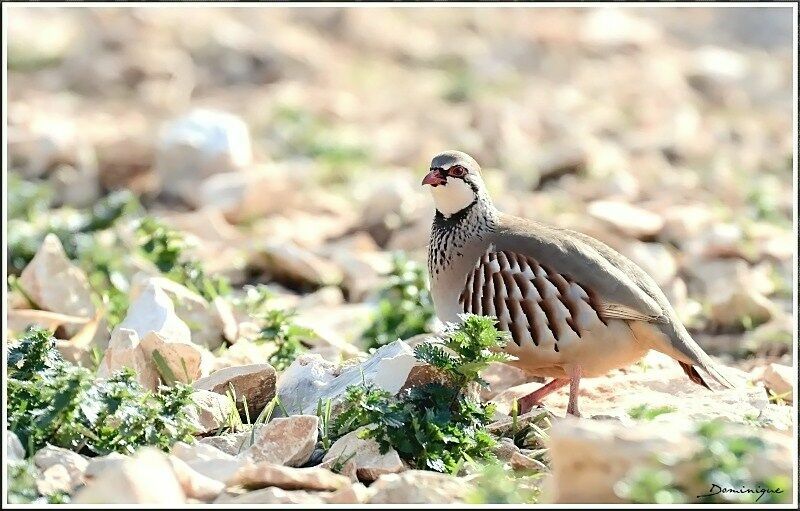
{"x":573,"y":306}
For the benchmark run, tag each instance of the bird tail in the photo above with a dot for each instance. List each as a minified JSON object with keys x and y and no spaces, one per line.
{"x":693,"y":375}
{"x":697,"y":357}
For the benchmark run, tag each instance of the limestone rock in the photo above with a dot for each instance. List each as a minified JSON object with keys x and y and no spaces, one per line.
{"x":285,"y":441}
{"x":255,"y":383}
{"x":337,"y":329}
{"x":612,"y":29}
{"x":233,"y":443}
{"x":253,"y":192}
{"x":186,"y":361}
{"x":310,"y":378}
{"x":654,"y":258}
{"x":738,"y":305}
{"x":153,"y":311}
{"x":291,"y":263}
{"x":74,"y":463}
{"x":55,"y":284}
{"x":125,"y":350}
{"x":212,"y":411}
{"x":261,"y":475}
{"x":626,"y":218}
{"x":198,"y":145}
{"x":100,"y":464}
{"x":207,"y":460}
{"x":364,"y":455}
{"x":222,"y":470}
{"x":504,"y":400}
{"x":152,"y":316}
{"x":356,"y":493}
{"x":500,"y":377}
{"x":589,"y":457}
{"x":776,"y":377}
{"x":147,"y":478}
{"x":206,"y":324}
{"x":198,"y":452}
{"x":79,"y":186}
{"x":20,"y":319}
{"x":14,"y":449}
{"x":194,"y":484}
{"x":272,"y":495}
{"x":416,"y":487}
{"x":56,"y":478}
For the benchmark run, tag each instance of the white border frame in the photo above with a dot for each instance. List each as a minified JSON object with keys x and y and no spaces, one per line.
{"x":7,"y":7}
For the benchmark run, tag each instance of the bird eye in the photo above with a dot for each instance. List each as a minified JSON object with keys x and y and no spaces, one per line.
{"x":457,"y":171}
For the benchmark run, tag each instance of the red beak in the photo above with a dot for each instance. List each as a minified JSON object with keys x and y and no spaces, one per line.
{"x":434,"y":178}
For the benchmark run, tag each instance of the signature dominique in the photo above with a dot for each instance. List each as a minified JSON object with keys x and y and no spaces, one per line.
{"x":760,"y":491}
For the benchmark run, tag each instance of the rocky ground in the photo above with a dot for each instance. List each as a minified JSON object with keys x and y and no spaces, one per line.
{"x":227,"y":202}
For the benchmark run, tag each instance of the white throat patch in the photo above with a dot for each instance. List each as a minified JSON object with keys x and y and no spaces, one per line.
{"x":452,"y":197}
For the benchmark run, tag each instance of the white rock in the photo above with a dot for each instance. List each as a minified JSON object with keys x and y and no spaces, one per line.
{"x":194,"y":484}
{"x":203,"y":319}
{"x":500,"y":377}
{"x":713,"y":69}
{"x":244,"y":352}
{"x":393,"y":203}
{"x":614,"y":28}
{"x":718,"y":240}
{"x":417,"y":487}
{"x":207,"y":460}
{"x":654,"y":258}
{"x":233,"y":443}
{"x":152,"y":316}
{"x":776,"y":377}
{"x":356,"y":493}
{"x":100,"y":464}
{"x":14,"y":449}
{"x":49,"y":142}
{"x":55,"y":284}
{"x":186,"y":361}
{"x":153,"y":311}
{"x":286,"y":441}
{"x":147,"y":478}
{"x":684,"y":222}
{"x":125,"y":350}
{"x":20,"y":319}
{"x":51,"y":455}
{"x":288,"y":262}
{"x":310,"y":378}
{"x":364,"y":455}
{"x":272,"y":495}
{"x":198,"y":145}
{"x":337,"y":329}
{"x":212,"y":411}
{"x":198,"y":452}
{"x":589,"y":457}
{"x":79,"y":186}
{"x":223,"y":470}
{"x":254,"y":383}
{"x":252,"y":193}
{"x":55,"y":478}
{"x":719,"y":276}
{"x":738,"y":305}
{"x":260,"y":475}
{"x":626,"y":218}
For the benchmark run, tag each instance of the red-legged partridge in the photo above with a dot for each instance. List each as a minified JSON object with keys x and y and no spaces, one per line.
{"x":573,"y":306}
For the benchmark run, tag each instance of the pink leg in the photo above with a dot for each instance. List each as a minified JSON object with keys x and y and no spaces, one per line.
{"x":574,"y":383}
{"x":535,"y":397}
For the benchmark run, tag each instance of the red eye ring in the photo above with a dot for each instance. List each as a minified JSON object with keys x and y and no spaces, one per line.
{"x":456,"y":171}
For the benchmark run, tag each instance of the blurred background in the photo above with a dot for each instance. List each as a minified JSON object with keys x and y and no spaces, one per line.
{"x":288,"y":145}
